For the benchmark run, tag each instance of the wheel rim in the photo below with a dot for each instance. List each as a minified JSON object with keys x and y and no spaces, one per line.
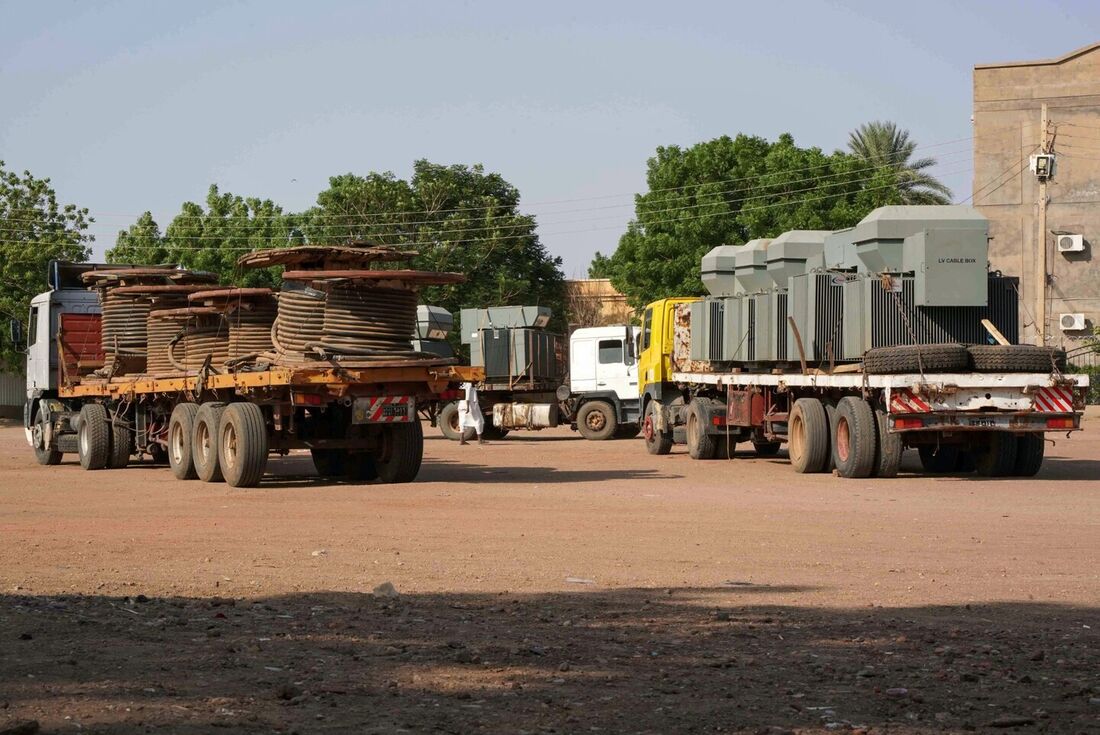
{"x":843,"y":440}
{"x":38,"y":433}
{"x":595,"y":420}
{"x":647,"y":428}
{"x":693,"y":430}
{"x":175,"y":445}
{"x":204,"y":442}
{"x":82,"y":437}
{"x":798,"y":435}
{"x":229,"y":445}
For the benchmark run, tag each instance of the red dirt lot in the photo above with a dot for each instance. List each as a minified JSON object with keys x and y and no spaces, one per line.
{"x":548,"y":584}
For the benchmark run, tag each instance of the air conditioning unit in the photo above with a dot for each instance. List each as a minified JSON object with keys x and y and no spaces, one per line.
{"x":1071,"y":243}
{"x":1071,"y":322}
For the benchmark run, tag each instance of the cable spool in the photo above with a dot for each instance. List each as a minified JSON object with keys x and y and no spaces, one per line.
{"x":299,"y":322}
{"x":364,"y":320}
{"x":190,"y":336}
{"x":250,"y":314}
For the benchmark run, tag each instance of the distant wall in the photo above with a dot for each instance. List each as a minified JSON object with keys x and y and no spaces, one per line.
{"x":13,"y":391}
{"x":594,"y":302}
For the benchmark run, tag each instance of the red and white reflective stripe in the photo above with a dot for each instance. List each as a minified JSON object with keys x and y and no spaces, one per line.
{"x":903,"y":400}
{"x":1053,"y":400}
{"x":376,"y":409}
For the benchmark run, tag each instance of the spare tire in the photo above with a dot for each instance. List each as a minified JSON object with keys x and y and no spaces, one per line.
{"x":912,"y":358}
{"x":1016,"y":358}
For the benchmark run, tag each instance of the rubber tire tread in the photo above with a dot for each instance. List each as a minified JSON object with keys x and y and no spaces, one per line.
{"x":999,"y":457}
{"x":45,"y":456}
{"x":183,"y":413}
{"x":815,"y":422}
{"x":935,"y":358}
{"x":210,"y":413}
{"x":939,"y":460}
{"x":662,"y":440}
{"x":406,"y":456}
{"x":93,"y":419}
{"x":888,"y":448}
{"x":122,"y":446}
{"x":247,"y":420}
{"x":610,"y":423}
{"x":703,"y":446}
{"x":862,"y":437}
{"x":1030,"y":449}
{"x":1016,"y":358}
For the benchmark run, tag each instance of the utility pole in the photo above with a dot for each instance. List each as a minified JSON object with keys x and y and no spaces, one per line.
{"x":1041,"y":260}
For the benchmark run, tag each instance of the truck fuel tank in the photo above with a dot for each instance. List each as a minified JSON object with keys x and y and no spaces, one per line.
{"x":525,"y":415}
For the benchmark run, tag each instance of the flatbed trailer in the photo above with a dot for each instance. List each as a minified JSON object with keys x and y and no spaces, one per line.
{"x":860,"y":423}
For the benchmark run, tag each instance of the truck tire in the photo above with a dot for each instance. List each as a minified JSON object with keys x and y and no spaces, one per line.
{"x":888,"y":448}
{"x":700,"y":444}
{"x":766,"y":449}
{"x":204,"y":442}
{"x":855,"y":438}
{"x":359,"y":467}
{"x":656,"y":442}
{"x":596,"y":421}
{"x":911,"y":358}
{"x":491,"y":432}
{"x":724,"y":446}
{"x":43,"y":454}
{"x":448,"y":423}
{"x":830,"y":412}
{"x":180,"y":428}
{"x":122,"y":444}
{"x":242,"y":444}
{"x":939,"y":459}
{"x":998,"y":458}
{"x":401,"y":454}
{"x":1029,"y":454}
{"x":808,"y":436}
{"x":1016,"y":358}
{"x":93,"y":444}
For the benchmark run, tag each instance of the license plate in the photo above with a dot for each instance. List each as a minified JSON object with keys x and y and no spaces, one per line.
{"x":383,"y":410}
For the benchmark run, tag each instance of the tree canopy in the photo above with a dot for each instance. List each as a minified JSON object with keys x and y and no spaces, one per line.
{"x":728,"y":191}
{"x":459,"y":218}
{"x":884,"y":144}
{"x":34,"y":229}
{"x":211,"y":238}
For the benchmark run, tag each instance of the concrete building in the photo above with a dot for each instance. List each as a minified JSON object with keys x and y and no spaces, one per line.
{"x":594,"y":302}
{"x":1008,"y":102}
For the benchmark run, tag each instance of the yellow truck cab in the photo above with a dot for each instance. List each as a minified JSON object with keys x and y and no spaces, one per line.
{"x":655,"y":355}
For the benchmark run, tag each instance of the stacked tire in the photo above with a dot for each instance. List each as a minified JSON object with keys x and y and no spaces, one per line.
{"x":946,"y":358}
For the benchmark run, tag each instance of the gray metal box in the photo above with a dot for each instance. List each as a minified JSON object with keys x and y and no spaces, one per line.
{"x":718,"y":268}
{"x":433,"y":322}
{"x":517,"y":354}
{"x":440,"y":347}
{"x":473,"y":321}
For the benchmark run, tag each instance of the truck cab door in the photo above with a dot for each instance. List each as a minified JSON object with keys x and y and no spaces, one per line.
{"x":613,"y":373}
{"x":582,"y":365}
{"x":38,"y":348}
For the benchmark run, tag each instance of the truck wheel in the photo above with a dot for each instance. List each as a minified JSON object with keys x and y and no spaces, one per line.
{"x":700,"y":444}
{"x":242,"y":444}
{"x":491,"y":432}
{"x":1029,"y":454}
{"x":122,"y":444}
{"x":855,"y":437}
{"x":328,"y":463}
{"x":401,"y":453}
{"x":830,"y":413}
{"x":448,"y":423}
{"x":596,"y":421}
{"x":808,"y":436}
{"x":939,"y":459}
{"x":180,"y":428}
{"x":766,"y":449}
{"x":1016,"y":358}
{"x":93,"y":442}
{"x":656,"y":442}
{"x":998,"y":458}
{"x":910,"y":358}
{"x":888,"y":448}
{"x":44,"y":454}
{"x":724,"y":446}
{"x":204,"y":442}
{"x":360,"y":467}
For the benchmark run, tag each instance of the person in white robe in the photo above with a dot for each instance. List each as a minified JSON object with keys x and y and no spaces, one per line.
{"x":469,"y":415}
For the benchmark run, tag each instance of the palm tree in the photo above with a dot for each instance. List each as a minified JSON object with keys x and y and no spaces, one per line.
{"x":883,"y":144}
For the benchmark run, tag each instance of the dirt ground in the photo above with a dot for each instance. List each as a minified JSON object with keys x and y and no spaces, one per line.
{"x":548,"y":584}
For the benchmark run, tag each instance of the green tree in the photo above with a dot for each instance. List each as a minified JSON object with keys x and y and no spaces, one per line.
{"x":884,"y":144}
{"x":728,"y":191}
{"x":211,"y":238}
{"x":458,"y":218}
{"x":34,"y":229}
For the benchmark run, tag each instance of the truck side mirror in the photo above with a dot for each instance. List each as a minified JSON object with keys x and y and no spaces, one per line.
{"x":15,"y":331}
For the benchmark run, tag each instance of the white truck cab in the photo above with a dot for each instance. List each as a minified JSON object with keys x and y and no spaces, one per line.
{"x":603,"y":381}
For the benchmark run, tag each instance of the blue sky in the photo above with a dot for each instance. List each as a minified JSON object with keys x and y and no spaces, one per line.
{"x":129,"y":106}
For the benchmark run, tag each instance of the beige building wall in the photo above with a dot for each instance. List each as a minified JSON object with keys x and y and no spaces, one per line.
{"x":1007,"y":106}
{"x":594,"y":302}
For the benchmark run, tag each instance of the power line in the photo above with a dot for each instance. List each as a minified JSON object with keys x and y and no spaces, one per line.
{"x":1023,"y":158}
